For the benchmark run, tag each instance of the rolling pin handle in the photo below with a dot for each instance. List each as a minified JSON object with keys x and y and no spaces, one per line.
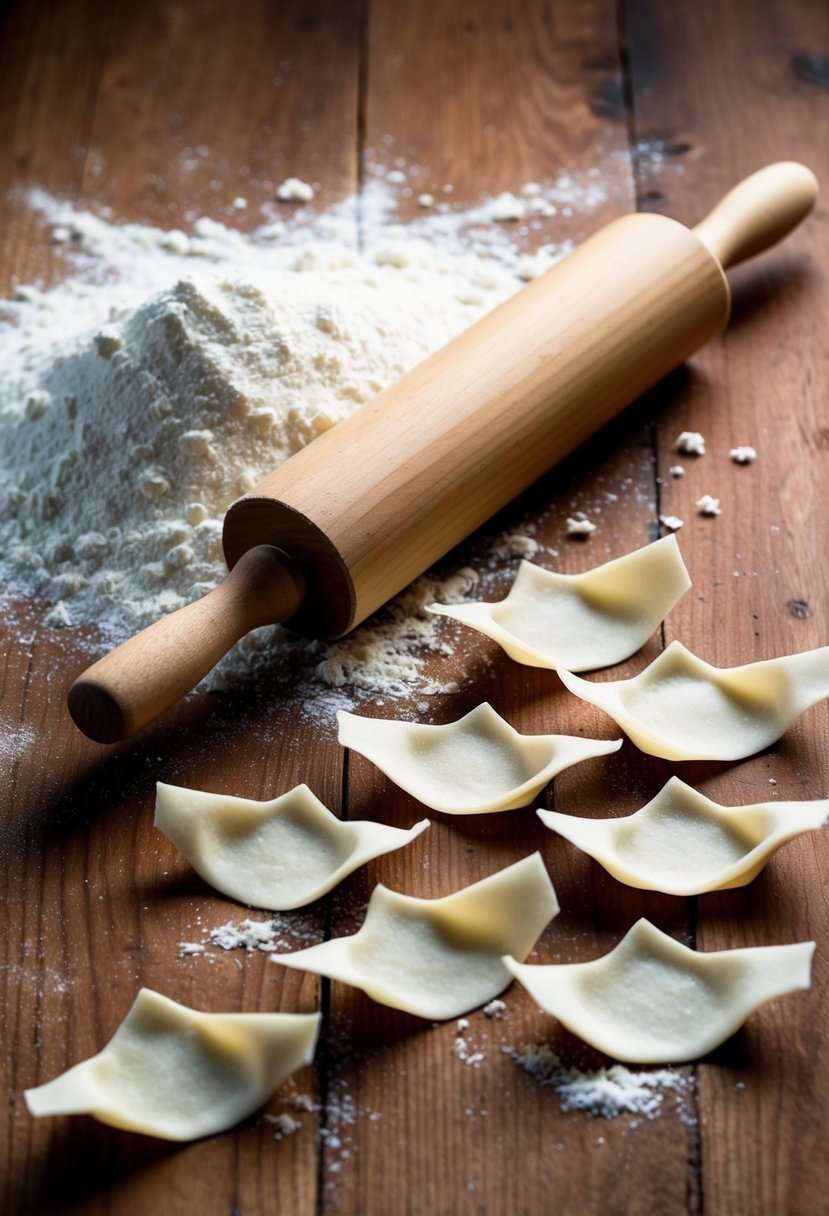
{"x":136,"y":682}
{"x":758,"y":212}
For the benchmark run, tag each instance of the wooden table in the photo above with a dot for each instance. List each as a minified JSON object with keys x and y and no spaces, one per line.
{"x":674,"y":102}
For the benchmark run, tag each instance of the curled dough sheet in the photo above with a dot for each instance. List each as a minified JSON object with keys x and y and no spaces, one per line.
{"x":682,"y":708}
{"x":581,"y":621}
{"x":469,"y":767}
{"x":439,"y":958}
{"x":173,"y":1072}
{"x":278,"y":855}
{"x":682,"y":843}
{"x":651,"y":1000}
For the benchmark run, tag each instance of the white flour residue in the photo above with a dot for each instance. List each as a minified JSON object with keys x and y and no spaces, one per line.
{"x":342,"y":1113}
{"x":387,"y":655}
{"x":472,"y":1056}
{"x":284,"y":1125}
{"x":499,"y":221}
{"x":280,"y":932}
{"x":16,"y":738}
{"x":608,"y":1092}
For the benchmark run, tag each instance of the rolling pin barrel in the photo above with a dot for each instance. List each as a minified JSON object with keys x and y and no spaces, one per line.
{"x":350,"y":520}
{"x":377,"y":499}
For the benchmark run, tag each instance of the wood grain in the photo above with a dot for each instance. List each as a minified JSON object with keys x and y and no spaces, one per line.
{"x":217,"y":103}
{"x":43,"y":119}
{"x":452,"y":1138}
{"x":759,"y":589}
{"x":165,"y":112}
{"x":154,"y":99}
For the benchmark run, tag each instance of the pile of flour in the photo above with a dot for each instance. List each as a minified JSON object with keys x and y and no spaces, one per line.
{"x":612,"y":1091}
{"x":169,"y":372}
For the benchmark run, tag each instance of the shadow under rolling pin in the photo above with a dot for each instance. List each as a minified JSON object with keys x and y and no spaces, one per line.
{"x":351,"y":519}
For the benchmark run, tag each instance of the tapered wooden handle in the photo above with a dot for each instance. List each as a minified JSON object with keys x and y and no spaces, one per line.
{"x":758,"y":212}
{"x":133,"y":684}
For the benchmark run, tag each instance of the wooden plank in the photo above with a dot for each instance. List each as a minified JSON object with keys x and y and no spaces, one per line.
{"x":515,"y":94}
{"x":51,"y":56}
{"x":760,"y":589}
{"x":96,"y":902}
{"x":505,"y":93}
{"x":222,"y":103}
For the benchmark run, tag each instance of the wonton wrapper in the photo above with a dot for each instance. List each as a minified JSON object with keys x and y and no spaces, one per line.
{"x":581,"y":621}
{"x":682,"y":708}
{"x":278,"y":855}
{"x":651,"y":1000}
{"x":682,"y":843}
{"x":173,"y":1072}
{"x":439,"y":958}
{"x":469,"y":767}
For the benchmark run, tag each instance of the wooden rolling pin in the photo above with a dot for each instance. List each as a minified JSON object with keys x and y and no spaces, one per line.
{"x":351,"y":519}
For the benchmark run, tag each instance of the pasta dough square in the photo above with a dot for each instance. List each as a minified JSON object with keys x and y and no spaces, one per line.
{"x":179,"y":1074}
{"x":651,"y":1000}
{"x":278,"y":855}
{"x":473,"y":766}
{"x":682,"y":843}
{"x":581,"y":621}
{"x":439,"y":958}
{"x":682,"y":708}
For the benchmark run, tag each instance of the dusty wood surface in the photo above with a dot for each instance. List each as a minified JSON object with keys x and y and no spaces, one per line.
{"x":671,"y":104}
{"x":758,"y":575}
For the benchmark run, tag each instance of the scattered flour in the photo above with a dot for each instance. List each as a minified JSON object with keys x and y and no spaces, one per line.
{"x":507,"y":207}
{"x":461,"y":1048}
{"x":579,"y":525}
{"x":386,"y":653}
{"x":280,"y":932}
{"x":190,"y":949}
{"x":692,"y":443}
{"x":608,"y":1092}
{"x":294,"y":190}
{"x":341,"y":1114}
{"x":516,"y":544}
{"x":708,"y":505}
{"x":672,"y":522}
{"x":16,"y":738}
{"x":283,"y":1125}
